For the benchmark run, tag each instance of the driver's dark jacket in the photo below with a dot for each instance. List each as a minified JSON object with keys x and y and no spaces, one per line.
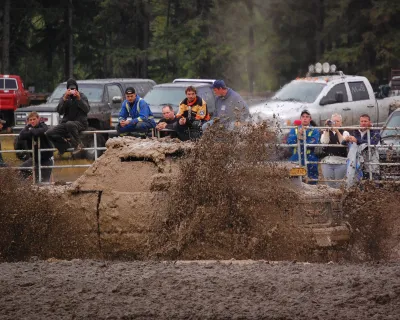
{"x":37,"y":132}
{"x":74,"y":110}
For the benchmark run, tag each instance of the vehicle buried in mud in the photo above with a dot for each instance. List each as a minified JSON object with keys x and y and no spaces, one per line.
{"x":154,"y":199}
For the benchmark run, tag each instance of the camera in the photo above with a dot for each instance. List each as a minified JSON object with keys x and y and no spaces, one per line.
{"x":330,"y":123}
{"x":72,"y":93}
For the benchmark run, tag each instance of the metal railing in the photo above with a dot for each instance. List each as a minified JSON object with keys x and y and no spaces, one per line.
{"x":156,"y":133}
{"x":39,"y":166}
{"x":306,"y":145}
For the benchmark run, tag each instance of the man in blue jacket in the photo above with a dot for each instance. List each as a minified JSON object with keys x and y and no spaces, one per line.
{"x":361,"y":136}
{"x":312,"y":137}
{"x":138,"y":109}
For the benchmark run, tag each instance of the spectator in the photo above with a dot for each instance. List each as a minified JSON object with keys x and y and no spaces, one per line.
{"x":2,"y":123}
{"x":142,"y":117}
{"x":230,"y":107}
{"x":334,"y":163}
{"x":360,"y":138}
{"x":74,"y":107}
{"x":168,"y":122}
{"x":192,"y":115}
{"x":312,"y":137}
{"x":35,"y":129}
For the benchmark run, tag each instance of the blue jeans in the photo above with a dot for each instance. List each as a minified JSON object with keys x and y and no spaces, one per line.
{"x":333,"y":172}
{"x":140,"y":127}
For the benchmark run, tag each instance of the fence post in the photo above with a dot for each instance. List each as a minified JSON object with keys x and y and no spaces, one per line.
{"x":33,"y":160}
{"x":39,"y":161}
{"x":95,"y":145}
{"x":305,"y":151}
{"x":369,"y":153}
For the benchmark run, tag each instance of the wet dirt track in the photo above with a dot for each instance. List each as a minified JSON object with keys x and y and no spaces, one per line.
{"x":154,"y":290}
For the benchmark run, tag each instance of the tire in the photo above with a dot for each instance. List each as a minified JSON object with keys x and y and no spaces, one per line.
{"x":88,"y":142}
{"x":21,"y":145}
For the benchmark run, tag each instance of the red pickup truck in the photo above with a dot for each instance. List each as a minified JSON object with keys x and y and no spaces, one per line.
{"x":12,"y":96}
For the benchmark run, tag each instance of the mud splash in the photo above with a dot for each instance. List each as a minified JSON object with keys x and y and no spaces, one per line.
{"x":38,"y":222}
{"x":229,"y":201}
{"x":372,"y":212}
{"x":223,"y":199}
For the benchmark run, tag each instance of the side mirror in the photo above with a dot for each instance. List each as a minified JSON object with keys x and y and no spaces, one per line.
{"x":324,"y":101}
{"x":117,"y":99}
{"x":339,"y":97}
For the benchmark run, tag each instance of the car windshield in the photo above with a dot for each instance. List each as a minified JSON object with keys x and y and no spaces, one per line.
{"x":301,"y":91}
{"x":394,"y":122}
{"x":164,"y":95}
{"x":94,"y":92}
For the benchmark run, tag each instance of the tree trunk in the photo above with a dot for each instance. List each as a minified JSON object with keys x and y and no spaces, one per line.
{"x":320,"y":16}
{"x":250,"y":56}
{"x":70,"y":42}
{"x":69,"y":67}
{"x":146,"y":38}
{"x":166,"y":32}
{"x":6,"y":38}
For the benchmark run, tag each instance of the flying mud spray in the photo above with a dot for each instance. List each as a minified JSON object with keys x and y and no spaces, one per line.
{"x":219,"y":198}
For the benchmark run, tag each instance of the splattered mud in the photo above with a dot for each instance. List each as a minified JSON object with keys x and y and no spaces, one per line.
{"x":154,"y":290}
{"x":225,"y":201}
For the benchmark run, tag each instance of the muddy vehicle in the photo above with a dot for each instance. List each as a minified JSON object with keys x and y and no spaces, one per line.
{"x":118,"y":199}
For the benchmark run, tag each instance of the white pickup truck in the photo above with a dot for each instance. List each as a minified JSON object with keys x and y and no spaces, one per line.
{"x":323,"y":95}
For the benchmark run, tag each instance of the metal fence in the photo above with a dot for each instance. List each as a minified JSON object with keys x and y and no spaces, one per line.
{"x":298,"y":145}
{"x":369,"y":163}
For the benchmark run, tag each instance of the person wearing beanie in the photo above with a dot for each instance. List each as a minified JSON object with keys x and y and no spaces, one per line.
{"x":74,"y":107}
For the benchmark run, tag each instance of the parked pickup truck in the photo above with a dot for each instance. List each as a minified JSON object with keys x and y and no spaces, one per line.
{"x":105,"y":97}
{"x":325,"y":94}
{"x":12,"y":96}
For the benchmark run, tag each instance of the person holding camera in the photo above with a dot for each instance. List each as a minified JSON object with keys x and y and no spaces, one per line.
{"x":334,"y":163}
{"x":74,"y":107}
{"x":34,"y":133}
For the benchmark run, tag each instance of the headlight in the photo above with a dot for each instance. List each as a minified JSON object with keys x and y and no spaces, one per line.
{"x":333,"y":68}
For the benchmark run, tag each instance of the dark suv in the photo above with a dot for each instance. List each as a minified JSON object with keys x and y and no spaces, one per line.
{"x":173,"y":93}
{"x":105,"y":97}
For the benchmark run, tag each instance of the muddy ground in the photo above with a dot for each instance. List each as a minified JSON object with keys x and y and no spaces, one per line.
{"x":148,"y":290}
{"x":61,"y":251}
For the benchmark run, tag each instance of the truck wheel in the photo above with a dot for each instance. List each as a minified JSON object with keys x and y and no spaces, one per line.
{"x":21,"y":145}
{"x":88,"y":142}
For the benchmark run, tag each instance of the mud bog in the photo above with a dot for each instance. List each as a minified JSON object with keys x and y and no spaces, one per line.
{"x":154,"y":290}
{"x":167,"y":203}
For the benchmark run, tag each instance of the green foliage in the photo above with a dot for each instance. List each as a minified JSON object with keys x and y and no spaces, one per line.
{"x":253,"y":44}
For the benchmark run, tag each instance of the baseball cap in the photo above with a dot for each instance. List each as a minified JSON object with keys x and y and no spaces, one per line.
{"x":306,"y":112}
{"x":218,"y":84}
{"x":130,"y":90}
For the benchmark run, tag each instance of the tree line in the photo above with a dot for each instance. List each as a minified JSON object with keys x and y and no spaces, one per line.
{"x":255,"y":45}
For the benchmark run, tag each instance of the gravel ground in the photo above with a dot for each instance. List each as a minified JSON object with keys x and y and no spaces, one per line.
{"x":86,"y":289}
